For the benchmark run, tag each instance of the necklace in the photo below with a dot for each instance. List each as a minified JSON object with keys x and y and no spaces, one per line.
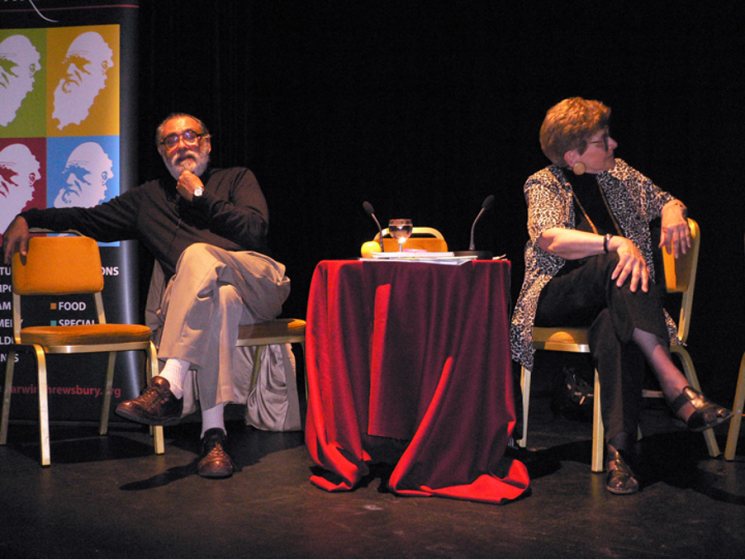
{"x":607,"y":207}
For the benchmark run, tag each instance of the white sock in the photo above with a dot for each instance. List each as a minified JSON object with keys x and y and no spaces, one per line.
{"x":175,"y":371}
{"x":213,"y":418}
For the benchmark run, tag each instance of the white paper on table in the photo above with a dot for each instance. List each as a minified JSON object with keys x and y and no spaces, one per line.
{"x":419,"y":257}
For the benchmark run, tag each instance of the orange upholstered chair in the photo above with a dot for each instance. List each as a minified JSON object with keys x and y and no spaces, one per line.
{"x":64,"y":266}
{"x":424,"y":238}
{"x":680,"y":278}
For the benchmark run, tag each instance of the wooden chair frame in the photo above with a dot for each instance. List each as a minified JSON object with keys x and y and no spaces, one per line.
{"x":260,"y":335}
{"x":256,"y":337}
{"x":680,"y":277}
{"x":734,"y":428}
{"x":425,"y":238}
{"x":42,"y":341}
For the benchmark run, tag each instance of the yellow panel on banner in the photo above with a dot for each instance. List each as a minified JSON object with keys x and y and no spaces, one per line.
{"x":83,"y":81}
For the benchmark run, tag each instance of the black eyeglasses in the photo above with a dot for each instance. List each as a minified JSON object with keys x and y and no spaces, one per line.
{"x":603,"y":140}
{"x":189,"y":137}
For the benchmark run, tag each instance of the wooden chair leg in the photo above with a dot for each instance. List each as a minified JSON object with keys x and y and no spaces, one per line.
{"x":103,"y":426}
{"x":734,"y":428}
{"x":159,"y":442}
{"x":151,"y":371}
{"x":9,"y":367}
{"x":598,"y":430}
{"x":257,"y":354}
{"x":525,"y":378}
{"x":41,"y":368}
{"x":690,"y":373}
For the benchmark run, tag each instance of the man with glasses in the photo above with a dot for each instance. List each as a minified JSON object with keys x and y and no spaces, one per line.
{"x":207,"y":229}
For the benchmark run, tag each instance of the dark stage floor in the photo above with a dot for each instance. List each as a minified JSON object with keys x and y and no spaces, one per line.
{"x":111,"y":497}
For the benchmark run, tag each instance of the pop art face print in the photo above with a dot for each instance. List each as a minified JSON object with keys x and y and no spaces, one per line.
{"x":83,"y":81}
{"x":59,"y":118}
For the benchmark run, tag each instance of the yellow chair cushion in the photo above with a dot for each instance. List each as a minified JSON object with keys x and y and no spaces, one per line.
{"x":560,"y":336}
{"x":75,"y":335}
{"x":271,"y":332}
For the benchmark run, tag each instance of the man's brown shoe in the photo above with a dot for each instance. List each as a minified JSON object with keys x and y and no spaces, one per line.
{"x":215,"y":462}
{"x":156,"y":406}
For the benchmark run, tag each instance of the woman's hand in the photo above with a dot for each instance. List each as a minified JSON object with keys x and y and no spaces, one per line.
{"x":571,"y":244}
{"x":631,"y":264}
{"x":675,"y":236}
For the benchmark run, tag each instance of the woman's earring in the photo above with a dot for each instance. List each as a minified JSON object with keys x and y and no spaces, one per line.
{"x":579,"y":168}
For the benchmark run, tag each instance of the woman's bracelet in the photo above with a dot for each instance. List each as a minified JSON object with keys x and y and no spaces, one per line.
{"x":605,"y":241}
{"x":678,"y":203}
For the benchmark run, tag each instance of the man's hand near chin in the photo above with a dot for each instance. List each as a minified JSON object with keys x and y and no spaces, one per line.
{"x":187,"y":184}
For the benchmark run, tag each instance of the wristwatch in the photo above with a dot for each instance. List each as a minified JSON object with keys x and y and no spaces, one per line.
{"x":199,"y":191}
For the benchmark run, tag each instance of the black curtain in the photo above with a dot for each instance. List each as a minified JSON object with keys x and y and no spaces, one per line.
{"x":425,"y":108}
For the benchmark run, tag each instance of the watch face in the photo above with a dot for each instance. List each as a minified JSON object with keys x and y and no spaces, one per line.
{"x":198,"y":191}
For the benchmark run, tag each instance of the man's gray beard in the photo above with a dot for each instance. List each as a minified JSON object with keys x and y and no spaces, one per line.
{"x":10,"y":101}
{"x":188,"y":165}
{"x":73,"y":107}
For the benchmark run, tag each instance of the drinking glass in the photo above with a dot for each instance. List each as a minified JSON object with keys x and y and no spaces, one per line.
{"x":400,"y":229}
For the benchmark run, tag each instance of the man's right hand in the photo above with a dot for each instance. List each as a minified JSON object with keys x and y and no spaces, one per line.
{"x":15,"y":239}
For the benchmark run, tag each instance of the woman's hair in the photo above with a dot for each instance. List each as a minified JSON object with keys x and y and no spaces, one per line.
{"x":569,"y":124}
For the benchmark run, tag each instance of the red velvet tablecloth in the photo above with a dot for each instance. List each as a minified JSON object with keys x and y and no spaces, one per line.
{"x":409,"y":364}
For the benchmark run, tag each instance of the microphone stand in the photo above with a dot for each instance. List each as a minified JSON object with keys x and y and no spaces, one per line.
{"x":472,"y":252}
{"x":371,"y":212}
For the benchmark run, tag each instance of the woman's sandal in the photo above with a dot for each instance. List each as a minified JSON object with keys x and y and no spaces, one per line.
{"x":620,"y":479}
{"x":706,"y":414}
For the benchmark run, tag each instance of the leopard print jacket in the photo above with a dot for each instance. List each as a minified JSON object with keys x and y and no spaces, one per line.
{"x":634,"y":200}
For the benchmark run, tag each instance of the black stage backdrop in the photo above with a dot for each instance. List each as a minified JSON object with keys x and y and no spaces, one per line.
{"x":424,"y":108}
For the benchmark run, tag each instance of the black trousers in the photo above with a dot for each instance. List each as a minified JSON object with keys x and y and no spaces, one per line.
{"x":586,"y":295}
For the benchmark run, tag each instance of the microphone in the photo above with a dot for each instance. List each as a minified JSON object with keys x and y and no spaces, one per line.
{"x":472,"y":252}
{"x":371,"y":212}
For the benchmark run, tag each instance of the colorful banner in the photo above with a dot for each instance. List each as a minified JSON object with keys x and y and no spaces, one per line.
{"x":62,"y":145}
